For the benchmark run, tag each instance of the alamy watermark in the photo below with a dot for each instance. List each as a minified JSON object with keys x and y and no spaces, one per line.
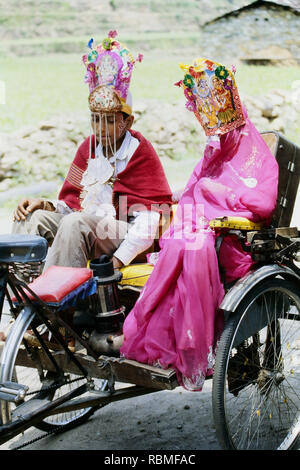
{"x":188,"y":223}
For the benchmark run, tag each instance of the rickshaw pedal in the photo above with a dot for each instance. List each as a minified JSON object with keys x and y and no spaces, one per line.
{"x":12,"y":391}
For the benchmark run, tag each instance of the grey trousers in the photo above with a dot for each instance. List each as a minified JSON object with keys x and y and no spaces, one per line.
{"x":74,"y":238}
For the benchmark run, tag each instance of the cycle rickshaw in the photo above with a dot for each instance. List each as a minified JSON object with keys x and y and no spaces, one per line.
{"x":256,"y":380}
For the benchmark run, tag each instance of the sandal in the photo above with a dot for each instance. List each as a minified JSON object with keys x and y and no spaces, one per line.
{"x":32,"y":340}
{"x":50,"y":342}
{"x":5,"y":331}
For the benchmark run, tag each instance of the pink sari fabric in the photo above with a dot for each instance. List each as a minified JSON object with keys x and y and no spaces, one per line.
{"x":176,"y":321}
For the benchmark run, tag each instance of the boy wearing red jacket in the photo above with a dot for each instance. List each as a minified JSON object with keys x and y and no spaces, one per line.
{"x":116,"y":188}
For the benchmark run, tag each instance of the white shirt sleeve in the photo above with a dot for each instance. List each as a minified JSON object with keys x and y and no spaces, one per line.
{"x":139,"y":237}
{"x":60,"y":206}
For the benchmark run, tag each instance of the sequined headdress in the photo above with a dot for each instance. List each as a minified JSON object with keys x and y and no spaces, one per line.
{"x":212,"y":94}
{"x":109,"y":67}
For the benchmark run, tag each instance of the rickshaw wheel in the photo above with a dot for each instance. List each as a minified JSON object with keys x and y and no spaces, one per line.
{"x":42,"y":385}
{"x":256,"y":383}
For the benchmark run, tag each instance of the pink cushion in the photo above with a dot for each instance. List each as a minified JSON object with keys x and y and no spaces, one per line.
{"x":58,"y":281}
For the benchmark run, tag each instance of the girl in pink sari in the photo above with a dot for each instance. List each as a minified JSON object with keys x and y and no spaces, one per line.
{"x":176,"y":321}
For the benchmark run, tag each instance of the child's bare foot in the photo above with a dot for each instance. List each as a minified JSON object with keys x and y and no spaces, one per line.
{"x":2,"y":336}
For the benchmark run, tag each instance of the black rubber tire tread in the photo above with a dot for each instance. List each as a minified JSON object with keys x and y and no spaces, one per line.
{"x":48,"y":427}
{"x":223,"y":352}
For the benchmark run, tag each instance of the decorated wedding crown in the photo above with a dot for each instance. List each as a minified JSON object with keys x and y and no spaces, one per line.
{"x":212,"y":95}
{"x":109,"y":67}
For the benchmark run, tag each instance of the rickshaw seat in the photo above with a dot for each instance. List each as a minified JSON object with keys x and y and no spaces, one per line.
{"x":287,"y":155}
{"x":238,"y":223}
{"x":58,"y":282}
{"x":19,"y":248}
{"x":135,"y":275}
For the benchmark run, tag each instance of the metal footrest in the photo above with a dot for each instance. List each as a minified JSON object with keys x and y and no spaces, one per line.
{"x":12,"y":391}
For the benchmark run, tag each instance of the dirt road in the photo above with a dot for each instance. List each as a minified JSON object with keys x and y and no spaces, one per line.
{"x":168,"y":420}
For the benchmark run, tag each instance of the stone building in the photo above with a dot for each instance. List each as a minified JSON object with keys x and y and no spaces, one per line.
{"x":260,"y":32}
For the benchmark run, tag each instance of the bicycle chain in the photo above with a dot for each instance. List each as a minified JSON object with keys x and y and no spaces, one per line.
{"x":51,"y":387}
{"x":60,"y":428}
{"x":57,"y":430}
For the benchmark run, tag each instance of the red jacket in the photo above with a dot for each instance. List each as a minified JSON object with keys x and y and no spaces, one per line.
{"x":143,"y":181}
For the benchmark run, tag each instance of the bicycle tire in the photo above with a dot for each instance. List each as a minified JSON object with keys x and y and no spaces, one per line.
{"x":31,"y":378}
{"x":256,"y":383}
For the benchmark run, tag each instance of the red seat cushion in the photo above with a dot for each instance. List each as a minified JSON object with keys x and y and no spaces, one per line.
{"x":57,"y":282}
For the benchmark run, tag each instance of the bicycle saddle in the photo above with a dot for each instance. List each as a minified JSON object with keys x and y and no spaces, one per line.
{"x":19,"y":248}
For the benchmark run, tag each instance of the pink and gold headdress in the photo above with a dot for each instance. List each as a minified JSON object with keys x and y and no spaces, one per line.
{"x":109,"y":67}
{"x":212,"y":95}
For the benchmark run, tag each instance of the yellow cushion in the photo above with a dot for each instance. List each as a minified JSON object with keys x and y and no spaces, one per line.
{"x":136,"y":274}
{"x":240,"y":223}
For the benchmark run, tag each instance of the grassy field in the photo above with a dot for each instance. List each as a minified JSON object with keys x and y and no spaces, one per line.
{"x":41,"y":86}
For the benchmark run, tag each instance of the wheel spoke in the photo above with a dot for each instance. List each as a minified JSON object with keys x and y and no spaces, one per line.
{"x":43,"y":385}
{"x":256,"y":392}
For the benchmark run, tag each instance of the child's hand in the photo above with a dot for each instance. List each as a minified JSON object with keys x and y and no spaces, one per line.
{"x":28,"y":205}
{"x":117,"y":263}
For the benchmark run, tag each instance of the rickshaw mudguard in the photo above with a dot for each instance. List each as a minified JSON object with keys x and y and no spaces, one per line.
{"x":243,"y":286}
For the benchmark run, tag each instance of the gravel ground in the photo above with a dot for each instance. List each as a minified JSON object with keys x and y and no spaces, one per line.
{"x":168,"y":420}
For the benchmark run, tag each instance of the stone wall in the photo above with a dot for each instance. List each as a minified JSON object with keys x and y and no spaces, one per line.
{"x":248,"y":32}
{"x":45,"y":151}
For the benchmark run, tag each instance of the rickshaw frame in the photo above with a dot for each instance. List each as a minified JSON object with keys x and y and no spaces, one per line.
{"x":143,"y":379}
